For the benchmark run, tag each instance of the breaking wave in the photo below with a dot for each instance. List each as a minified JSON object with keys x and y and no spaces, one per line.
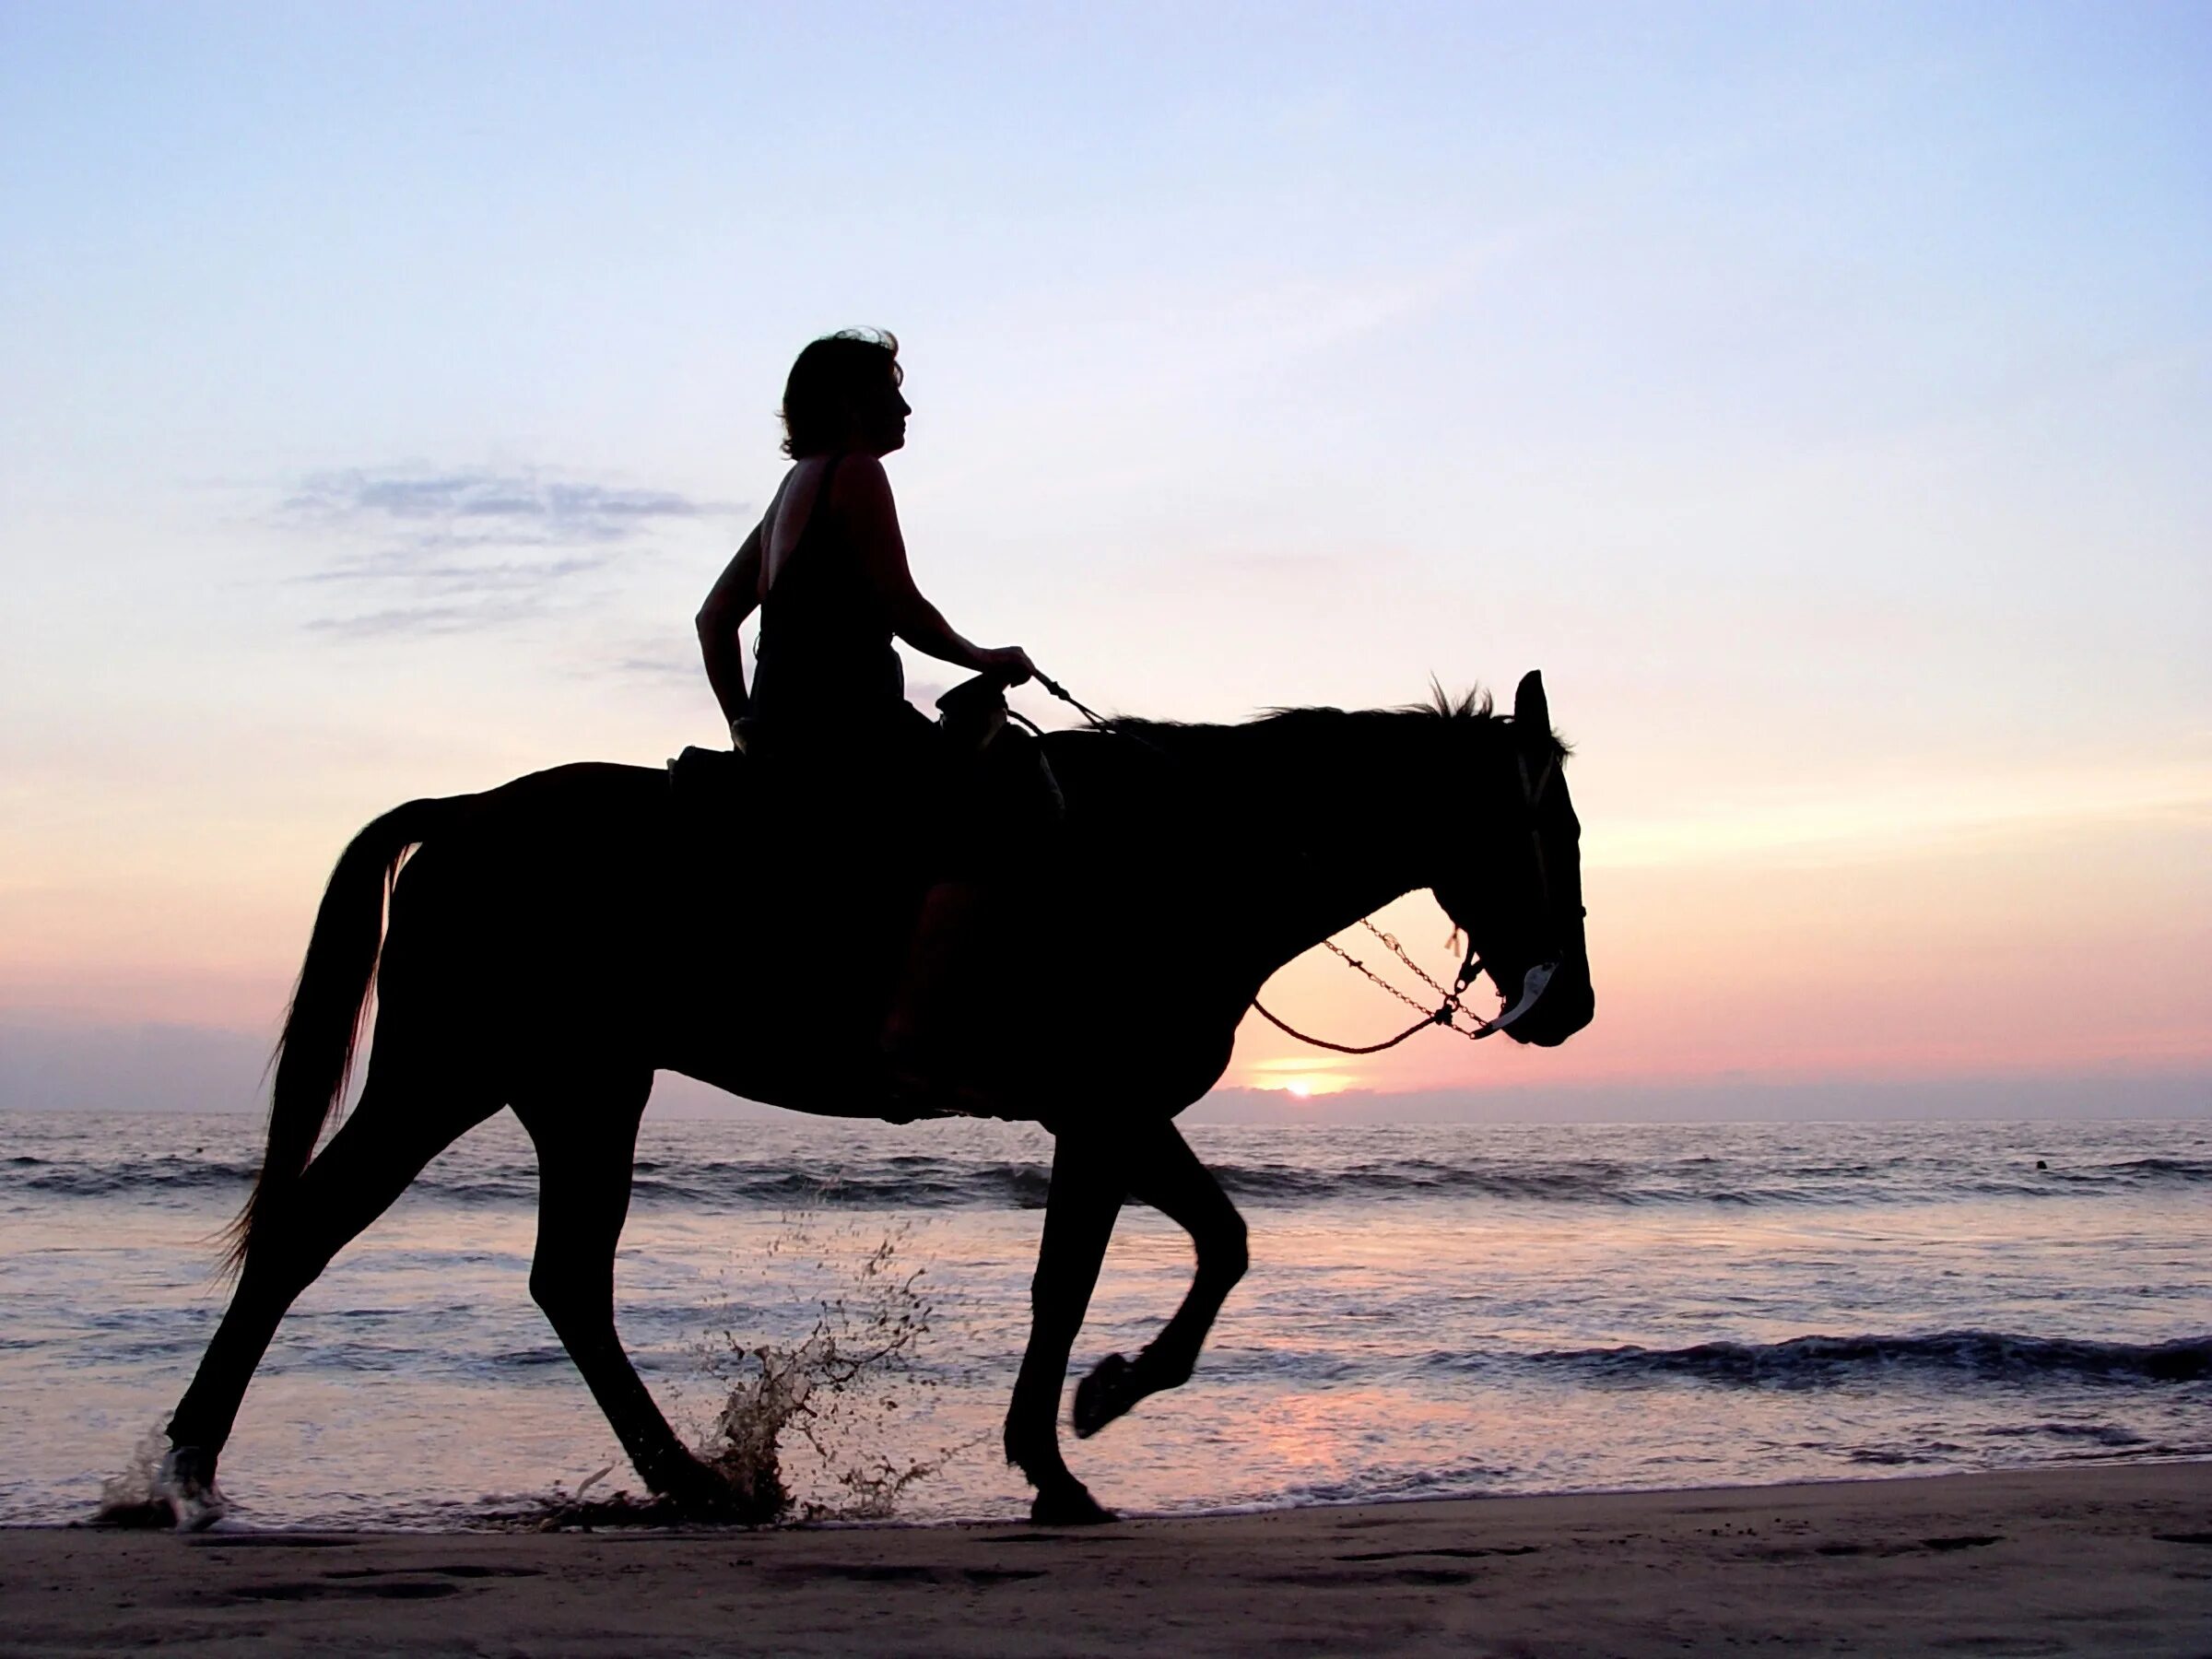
{"x":1986,"y":1356}
{"x":927,"y":1181}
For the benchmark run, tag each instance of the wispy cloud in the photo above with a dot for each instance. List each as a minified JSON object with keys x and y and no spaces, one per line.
{"x":460,"y":617}
{"x":669,"y":659}
{"x":480,"y":507}
{"x":1873,"y":821}
{"x":466,"y":549}
{"x":405,"y":564}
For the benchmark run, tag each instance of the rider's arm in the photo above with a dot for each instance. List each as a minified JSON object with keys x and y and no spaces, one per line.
{"x":872,"y":520}
{"x":736,"y":595}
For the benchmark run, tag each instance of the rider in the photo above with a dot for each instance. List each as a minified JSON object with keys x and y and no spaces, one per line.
{"x":826,"y":569}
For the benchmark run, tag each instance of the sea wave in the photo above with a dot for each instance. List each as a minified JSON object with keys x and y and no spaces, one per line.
{"x":162,"y":1176}
{"x":934,"y":1181}
{"x":1822,"y":1361}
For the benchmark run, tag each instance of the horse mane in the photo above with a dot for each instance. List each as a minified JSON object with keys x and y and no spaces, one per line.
{"x":1320,"y":725}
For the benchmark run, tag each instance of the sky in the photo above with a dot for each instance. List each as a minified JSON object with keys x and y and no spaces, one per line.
{"x":1820,"y":396}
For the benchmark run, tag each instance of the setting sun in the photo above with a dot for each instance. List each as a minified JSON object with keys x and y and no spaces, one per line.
{"x":1305,"y":1083}
{"x":1297,"y":1076}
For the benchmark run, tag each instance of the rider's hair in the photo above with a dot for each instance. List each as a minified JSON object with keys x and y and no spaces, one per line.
{"x":832,"y":377}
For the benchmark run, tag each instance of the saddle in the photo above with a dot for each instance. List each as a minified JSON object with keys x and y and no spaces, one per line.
{"x":984,"y":783}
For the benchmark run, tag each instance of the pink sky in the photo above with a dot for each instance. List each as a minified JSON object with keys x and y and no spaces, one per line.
{"x":1821,"y":399}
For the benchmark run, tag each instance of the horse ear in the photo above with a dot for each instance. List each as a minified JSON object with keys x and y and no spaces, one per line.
{"x":1532,"y":712}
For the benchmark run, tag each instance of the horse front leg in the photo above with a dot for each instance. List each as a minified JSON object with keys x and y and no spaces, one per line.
{"x":1079,"y":1213}
{"x":1162,"y":1171}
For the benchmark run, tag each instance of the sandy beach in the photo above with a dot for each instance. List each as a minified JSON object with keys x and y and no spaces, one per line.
{"x":2107,"y":1561}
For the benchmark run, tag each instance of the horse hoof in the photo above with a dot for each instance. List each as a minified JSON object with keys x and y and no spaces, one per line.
{"x":698,"y":1492}
{"x":1108,"y":1393}
{"x":1069,"y":1505}
{"x":186,"y":1482}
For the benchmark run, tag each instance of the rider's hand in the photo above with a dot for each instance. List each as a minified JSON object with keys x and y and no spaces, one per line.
{"x":1010,"y":663}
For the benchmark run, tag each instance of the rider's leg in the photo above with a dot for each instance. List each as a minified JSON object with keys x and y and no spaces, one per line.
{"x":917,"y":1010}
{"x":933,"y":1029}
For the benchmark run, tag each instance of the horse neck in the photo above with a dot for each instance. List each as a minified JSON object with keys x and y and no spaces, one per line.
{"x":1310,"y":875}
{"x":1323,"y":895}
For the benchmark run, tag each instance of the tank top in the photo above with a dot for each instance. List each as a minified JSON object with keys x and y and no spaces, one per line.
{"x":824,"y":657}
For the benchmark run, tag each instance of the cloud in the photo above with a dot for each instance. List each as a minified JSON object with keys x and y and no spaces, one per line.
{"x":55,"y":1061}
{"x":477,"y":575}
{"x":484,"y":508}
{"x":669,"y":659}
{"x":463,"y":549}
{"x":1872,"y":821}
{"x":427,"y":620}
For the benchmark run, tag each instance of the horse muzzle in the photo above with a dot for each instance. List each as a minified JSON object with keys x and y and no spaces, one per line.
{"x":1555,"y":1002}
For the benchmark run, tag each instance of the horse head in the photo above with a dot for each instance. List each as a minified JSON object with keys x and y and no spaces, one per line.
{"x":1515,"y":880}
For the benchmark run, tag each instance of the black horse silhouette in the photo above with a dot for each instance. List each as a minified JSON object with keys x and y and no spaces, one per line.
{"x":554,"y":941}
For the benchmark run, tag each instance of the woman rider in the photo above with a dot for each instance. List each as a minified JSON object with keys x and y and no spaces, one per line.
{"x":826,"y":569}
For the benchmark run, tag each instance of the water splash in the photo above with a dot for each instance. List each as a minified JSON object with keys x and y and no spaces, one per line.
{"x":834,"y":1398}
{"x":131,"y":1498}
{"x":831,"y":1402}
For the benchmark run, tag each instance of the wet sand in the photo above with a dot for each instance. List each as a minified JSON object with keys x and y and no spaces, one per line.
{"x":2089,"y":1560}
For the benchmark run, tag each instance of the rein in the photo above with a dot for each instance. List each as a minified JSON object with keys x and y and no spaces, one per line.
{"x":1061,"y":692}
{"x":1447,"y":1011}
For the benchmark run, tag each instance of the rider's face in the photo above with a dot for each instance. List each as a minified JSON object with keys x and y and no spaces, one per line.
{"x":882,"y":421}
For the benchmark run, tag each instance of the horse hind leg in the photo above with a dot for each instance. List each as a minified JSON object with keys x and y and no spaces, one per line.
{"x":586,"y":1140}
{"x":408,"y":1112}
{"x":1164,"y":1172}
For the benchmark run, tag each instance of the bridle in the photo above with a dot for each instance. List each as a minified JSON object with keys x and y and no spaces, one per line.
{"x":1448,"y":1009}
{"x":1446,"y":1013}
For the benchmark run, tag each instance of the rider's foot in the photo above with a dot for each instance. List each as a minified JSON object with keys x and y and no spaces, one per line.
{"x":918,"y":1082}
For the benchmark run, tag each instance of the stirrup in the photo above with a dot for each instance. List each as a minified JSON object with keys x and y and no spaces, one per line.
{"x":914,"y":1090}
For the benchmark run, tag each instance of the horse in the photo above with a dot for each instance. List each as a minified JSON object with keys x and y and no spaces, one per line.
{"x":548,"y":945}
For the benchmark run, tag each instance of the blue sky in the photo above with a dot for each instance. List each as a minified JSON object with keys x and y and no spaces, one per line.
{"x":1819,"y":396}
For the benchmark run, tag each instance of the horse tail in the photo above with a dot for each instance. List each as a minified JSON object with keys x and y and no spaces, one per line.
{"x":313,"y":1060}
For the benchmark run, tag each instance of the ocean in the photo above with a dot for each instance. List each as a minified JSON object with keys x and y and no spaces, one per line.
{"x":1431,"y":1311}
